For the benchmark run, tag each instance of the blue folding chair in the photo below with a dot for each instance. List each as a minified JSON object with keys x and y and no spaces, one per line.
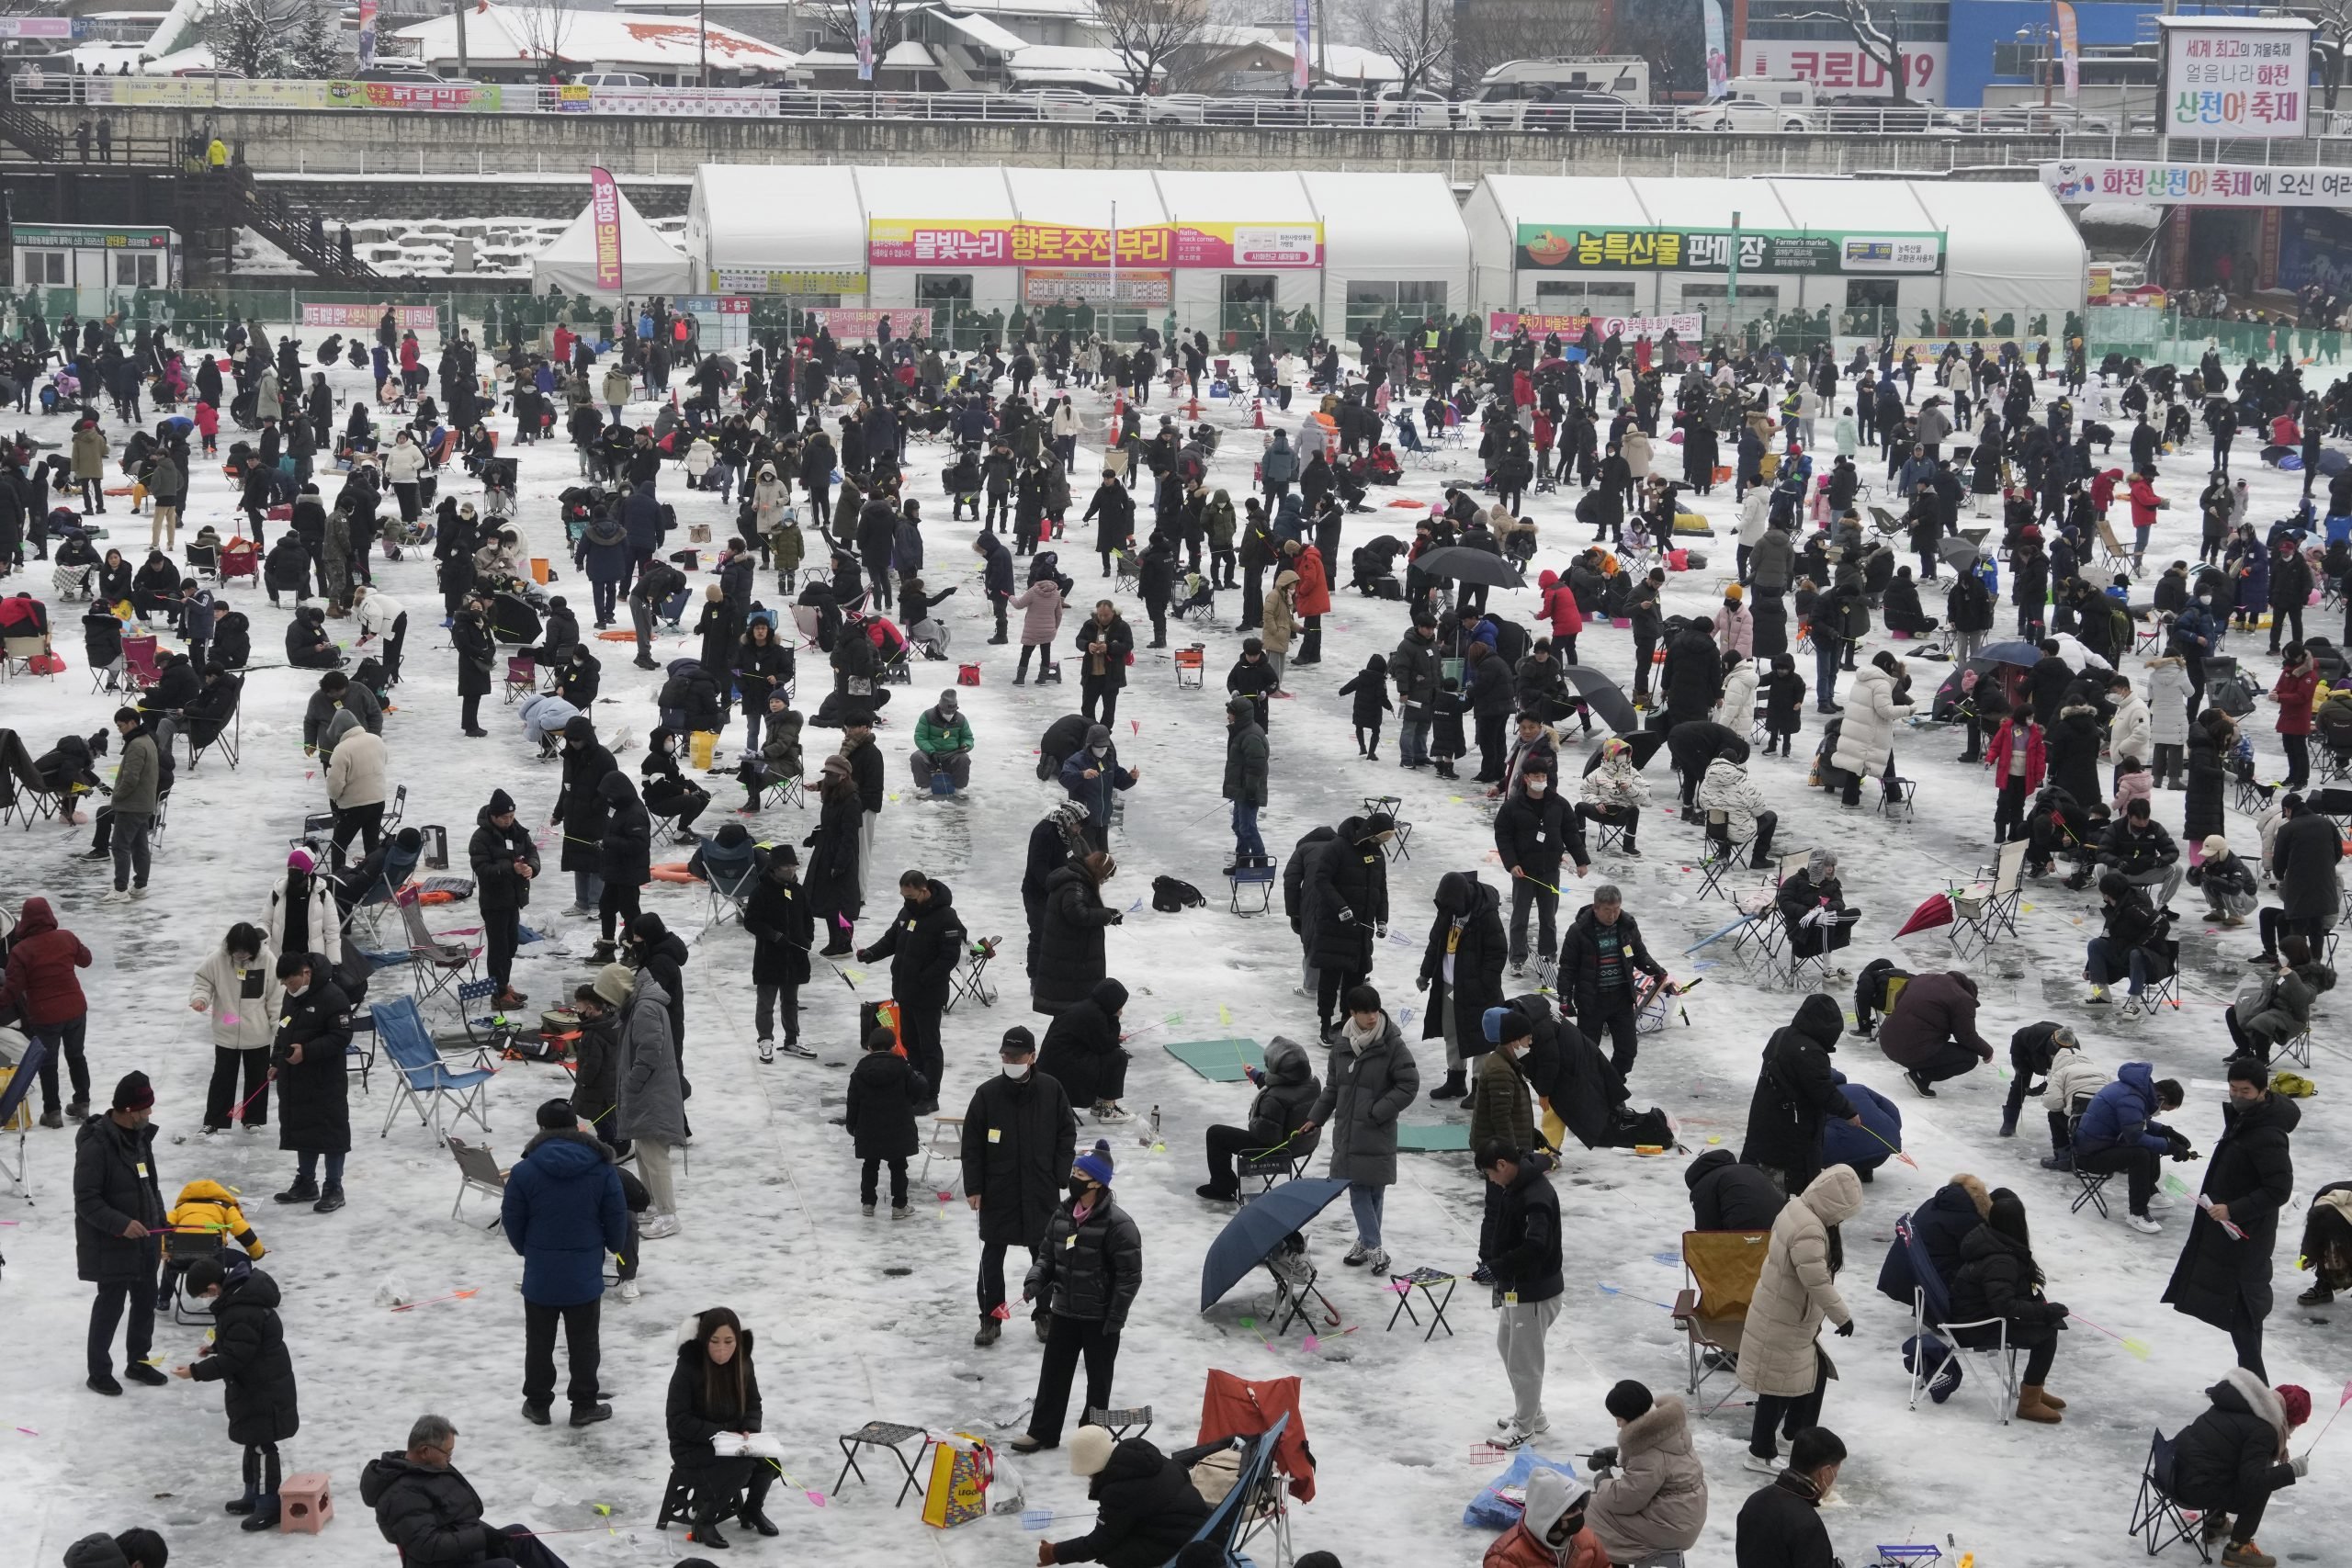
{"x":1254,"y":1506}
{"x":727,"y":869}
{"x":423,"y":1081}
{"x":12,"y":1108}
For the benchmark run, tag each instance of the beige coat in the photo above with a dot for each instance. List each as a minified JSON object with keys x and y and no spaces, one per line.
{"x":238,"y":1024}
{"x":356,"y":772}
{"x":1656,"y":1499}
{"x":1634,"y":448}
{"x":1795,"y":1291}
{"x":1279,"y":620}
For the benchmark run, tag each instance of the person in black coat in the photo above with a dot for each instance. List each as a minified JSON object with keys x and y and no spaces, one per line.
{"x":1055,"y":841}
{"x":1070,"y":957}
{"x":2225,"y":1279}
{"x":1780,"y":1525}
{"x":1797,"y":1092}
{"x":2046,"y":684}
{"x":885,"y":1094}
{"x":313,"y":1084}
{"x":476,"y":651}
{"x":1997,"y":1277}
{"x":1019,"y":1137}
{"x":833,"y":896}
{"x":782,"y":931}
{"x":1535,"y":833}
{"x":1348,"y":885}
{"x":1083,"y":1055}
{"x":2071,"y":744}
{"x":2233,"y":1456}
{"x":624,"y":857}
{"x":667,"y":792}
{"x":578,"y":678}
{"x":1726,"y":1195}
{"x":307,"y":646}
{"x":714,"y":1389}
{"x":1692,"y":680}
{"x":1146,"y":1508}
{"x":1469,"y":927}
{"x":432,"y":1514}
{"x":580,"y":810}
{"x":117,"y":1207}
{"x":924,"y":946}
{"x":1599,"y":959}
{"x":1088,"y":1270}
{"x":1105,"y":645}
{"x":248,"y":1358}
{"x":1694,"y":745}
{"x":504,"y":861}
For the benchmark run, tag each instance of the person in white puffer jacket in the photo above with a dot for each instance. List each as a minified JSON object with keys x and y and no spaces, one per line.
{"x":1866,"y":738}
{"x":2168,"y":689}
{"x":243,"y":995}
{"x":1736,"y":709}
{"x":2131,"y":729}
{"x":1727,"y":788}
{"x":1613,"y":792}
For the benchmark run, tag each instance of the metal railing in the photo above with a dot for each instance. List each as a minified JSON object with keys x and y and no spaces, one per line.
{"x":2078,"y":132}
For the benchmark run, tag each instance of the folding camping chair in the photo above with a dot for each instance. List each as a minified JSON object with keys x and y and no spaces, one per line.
{"x":1399,"y":847}
{"x":204,"y":564}
{"x":2088,"y":1183}
{"x":1250,"y":879}
{"x":424,"y":1081}
{"x":227,"y":734}
{"x":1285,"y":1161}
{"x":727,"y":879}
{"x":182,"y":1247}
{"x":522,"y":678}
{"x":437,"y":966}
{"x":22,"y":792}
{"x":359,"y":1056}
{"x":1722,"y":856}
{"x":1762,"y":939}
{"x":392,"y":875}
{"x":1192,"y":667}
{"x":140,"y":670}
{"x":2163,"y":989}
{"x":16,"y":1112}
{"x":477,"y":1172}
{"x":2156,"y":1518}
{"x":1255,"y":1505}
{"x":1720,"y":1269}
{"x":17,"y":653}
{"x":2112,"y":556}
{"x":1981,"y":913}
{"x":1120,"y":1422}
{"x":1930,"y":1319}
{"x":946,"y":1142}
{"x":971,"y":976}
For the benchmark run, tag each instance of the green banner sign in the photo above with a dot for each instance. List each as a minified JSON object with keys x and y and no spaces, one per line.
{"x":88,"y":237}
{"x":1573,"y":247}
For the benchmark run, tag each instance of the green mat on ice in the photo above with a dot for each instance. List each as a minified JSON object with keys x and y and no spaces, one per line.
{"x":1220,"y":1061}
{"x":1444,"y":1137}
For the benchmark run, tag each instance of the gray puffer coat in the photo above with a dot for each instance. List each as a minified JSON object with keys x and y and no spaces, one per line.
{"x":653,"y":1104}
{"x":1363,"y":1093}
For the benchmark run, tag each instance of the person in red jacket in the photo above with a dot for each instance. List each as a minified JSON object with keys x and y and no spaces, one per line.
{"x":43,"y":957}
{"x":1312,"y":597}
{"x":1558,"y":605}
{"x":2298,"y":684}
{"x":2145,"y":504}
{"x":2017,"y":777}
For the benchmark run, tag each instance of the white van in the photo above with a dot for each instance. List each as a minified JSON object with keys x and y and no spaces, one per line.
{"x":1503,"y":93}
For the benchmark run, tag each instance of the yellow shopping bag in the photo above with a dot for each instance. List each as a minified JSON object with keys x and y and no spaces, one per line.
{"x":957,"y":1492}
{"x":705,"y":744}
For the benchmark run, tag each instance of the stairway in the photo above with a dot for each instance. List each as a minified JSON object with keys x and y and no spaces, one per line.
{"x":269,"y":215}
{"x":23,"y":128}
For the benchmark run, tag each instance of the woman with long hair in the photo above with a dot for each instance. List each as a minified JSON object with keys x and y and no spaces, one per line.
{"x":715,"y":1394}
{"x":1998,"y":1279}
{"x":833,"y":897}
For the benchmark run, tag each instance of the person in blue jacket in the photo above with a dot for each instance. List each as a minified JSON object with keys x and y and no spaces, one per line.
{"x":1093,"y":778}
{"x":563,"y":1211}
{"x":1870,"y":1145}
{"x":2120,"y":1132}
{"x":640,"y":515}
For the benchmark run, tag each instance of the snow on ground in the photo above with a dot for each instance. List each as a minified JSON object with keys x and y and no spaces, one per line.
{"x":863,"y":1319}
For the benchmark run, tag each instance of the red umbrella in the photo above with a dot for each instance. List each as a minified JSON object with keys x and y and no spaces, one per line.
{"x":1935,"y":911}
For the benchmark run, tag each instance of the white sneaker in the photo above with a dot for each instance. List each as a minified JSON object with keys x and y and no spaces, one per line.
{"x":659,"y":1227}
{"x":767,"y":1050}
{"x":1514,"y":1435}
{"x":1761,"y":1465}
{"x":120,"y":896}
{"x":866,"y":1209}
{"x":2142,"y":1223}
{"x":2159,"y":1204}
{"x":902,"y":1211}
{"x":576,"y":910}
{"x":629,"y":1292}
{"x":138,"y":895}
{"x":1357,"y":1255}
{"x":793,"y":1048}
{"x":1378,"y":1261}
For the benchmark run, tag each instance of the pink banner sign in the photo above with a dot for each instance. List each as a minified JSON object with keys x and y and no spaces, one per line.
{"x":1503,"y":324}
{"x":605,"y":204}
{"x":845,"y":323}
{"x":363,"y":318}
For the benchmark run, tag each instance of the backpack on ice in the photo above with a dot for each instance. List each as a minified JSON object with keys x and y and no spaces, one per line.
{"x":1170,"y":896}
{"x":2229,"y":694}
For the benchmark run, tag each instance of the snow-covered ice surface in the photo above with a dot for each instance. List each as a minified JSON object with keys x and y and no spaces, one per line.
{"x":861,"y":1319}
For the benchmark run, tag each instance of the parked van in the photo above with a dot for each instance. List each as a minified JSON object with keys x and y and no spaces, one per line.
{"x":1504,"y":92}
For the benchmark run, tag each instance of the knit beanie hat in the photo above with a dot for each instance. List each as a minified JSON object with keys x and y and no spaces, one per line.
{"x":614,"y":982}
{"x":557,"y":1113}
{"x":133,"y":1093}
{"x":2297,"y":1401}
{"x":1628,"y":1400}
{"x":1095,"y":1163}
{"x":143,"y":1547}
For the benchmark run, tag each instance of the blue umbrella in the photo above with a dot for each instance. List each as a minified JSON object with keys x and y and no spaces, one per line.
{"x":2024,"y":655}
{"x":1250,"y":1236}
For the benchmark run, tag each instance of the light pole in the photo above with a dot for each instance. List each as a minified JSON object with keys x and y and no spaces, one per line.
{"x":702,"y":43}
{"x":2036,"y":37}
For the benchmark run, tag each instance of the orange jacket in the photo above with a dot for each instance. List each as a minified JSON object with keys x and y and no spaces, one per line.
{"x":1314,"y":591}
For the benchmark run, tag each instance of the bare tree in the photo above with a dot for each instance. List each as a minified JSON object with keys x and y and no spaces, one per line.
{"x":839,"y":19}
{"x":1875,"y":37}
{"x":1489,"y":32}
{"x":543,"y":25}
{"x":274,"y":37}
{"x":1417,"y":34}
{"x":1145,"y":33}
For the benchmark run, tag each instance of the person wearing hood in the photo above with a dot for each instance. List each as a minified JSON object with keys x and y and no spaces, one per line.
{"x":651,"y":1109}
{"x":2223,"y":1275}
{"x":1287,"y":1090}
{"x":668,"y":793}
{"x":505,"y":863}
{"x":1348,"y":887}
{"x":1727,"y":1194}
{"x":1866,"y":739}
{"x":885,"y":1091}
{"x":1997,"y":1277}
{"x":241,"y":994}
{"x":1372,"y":1080}
{"x":432,"y":1514}
{"x":1519,"y":1252}
{"x":715,"y":1393}
{"x":1084,"y":1054}
{"x":2120,"y":1134}
{"x":1244,"y":783}
{"x":1146,"y":1507}
{"x":1931,"y":1032}
{"x":1779,"y":1360}
{"x":776,"y":914}
{"x":247,"y":1356}
{"x":624,"y":857}
{"x":2232,"y":1458}
{"x":118,"y":1209}
{"x":834,"y":897}
{"x":1093,"y":776}
{"x":42,"y":985}
{"x":580,"y":811}
{"x":1535,"y":833}
{"x":563,"y":1211}
{"x":1088,"y":1270}
{"x":1462,"y":970}
{"x":1649,"y":1493}
{"x":1797,"y":1092}
{"x":477,"y":648}
{"x":1552,"y":1531}
{"x":923,"y":943}
{"x":313,"y":1082}
{"x":357,"y":781}
{"x":1780,"y":1525}
{"x":1726,"y":787}
{"x":602,"y":555}
{"x":131,"y":1549}
{"x":1615,"y":792}
{"x":943,"y":743}
{"x":1599,"y":960}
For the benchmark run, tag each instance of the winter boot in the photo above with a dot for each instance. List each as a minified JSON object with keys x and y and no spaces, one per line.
{"x":705,"y":1533}
{"x":329,"y":1199}
{"x":2032,"y":1408}
{"x":265,"y":1514}
{"x":2053,"y":1401}
{"x":1454,"y":1088}
{"x":244,"y":1504}
{"x":2009,"y":1121}
{"x":2247,"y":1554}
{"x":300,"y":1192}
{"x":989,"y":1331}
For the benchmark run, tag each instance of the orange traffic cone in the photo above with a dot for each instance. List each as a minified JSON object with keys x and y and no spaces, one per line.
{"x":1258,"y":413}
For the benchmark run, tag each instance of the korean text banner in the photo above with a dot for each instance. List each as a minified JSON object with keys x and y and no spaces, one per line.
{"x":2197,"y":185}
{"x":847,"y":323}
{"x":364,"y":318}
{"x":2240,"y":77}
{"x":1569,"y":247}
{"x":1069,"y":286}
{"x":1004,"y":242}
{"x":1502,"y":323}
{"x":605,"y":202}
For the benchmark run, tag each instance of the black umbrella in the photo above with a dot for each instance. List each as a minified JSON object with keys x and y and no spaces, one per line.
{"x":1459,"y":563}
{"x":1642,"y":743}
{"x":1604,"y":696}
{"x":512,"y":619}
{"x":1960,"y":552}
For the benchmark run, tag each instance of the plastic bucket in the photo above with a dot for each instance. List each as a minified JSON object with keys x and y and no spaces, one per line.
{"x":540,"y":569}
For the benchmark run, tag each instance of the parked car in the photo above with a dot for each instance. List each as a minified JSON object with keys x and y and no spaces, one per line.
{"x":1070,"y":104}
{"x":399,"y":70}
{"x":2035,"y":119}
{"x":1564,"y":108}
{"x":611,"y":79}
{"x":1757,"y":105}
{"x":1425,"y":109}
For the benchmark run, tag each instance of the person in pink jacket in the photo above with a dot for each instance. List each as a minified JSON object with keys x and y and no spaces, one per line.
{"x":1041,"y":607}
{"x":1735,"y":626}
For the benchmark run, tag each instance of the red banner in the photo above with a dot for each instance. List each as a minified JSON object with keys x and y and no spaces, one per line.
{"x":845,"y":323}
{"x":363,"y":318}
{"x":605,"y":200}
{"x":999,"y":241}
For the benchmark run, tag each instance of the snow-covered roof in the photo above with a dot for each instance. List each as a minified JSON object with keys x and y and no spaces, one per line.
{"x":1082,"y":197}
{"x":783,"y":217}
{"x":904,"y":55}
{"x":2005,"y":241}
{"x":1335,"y":61}
{"x":1039,"y":57}
{"x":982,"y":31}
{"x":498,"y":35}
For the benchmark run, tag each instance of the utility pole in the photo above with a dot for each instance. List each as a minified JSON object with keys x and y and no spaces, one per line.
{"x":459,"y":11}
{"x":702,"y":43}
{"x":1731,"y":278}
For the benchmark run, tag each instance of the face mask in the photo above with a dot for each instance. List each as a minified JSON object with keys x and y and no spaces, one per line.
{"x":1016,"y":1071}
{"x":1537,"y":787}
{"x":1100,"y":750}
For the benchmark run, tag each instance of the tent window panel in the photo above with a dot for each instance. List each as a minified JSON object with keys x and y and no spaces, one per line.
{"x":1389,"y":306}
{"x":1754,"y":299}
{"x":1582,"y":298}
{"x":1245,"y":306}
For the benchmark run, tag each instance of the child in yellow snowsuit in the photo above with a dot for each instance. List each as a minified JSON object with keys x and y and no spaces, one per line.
{"x":209,"y":1206}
